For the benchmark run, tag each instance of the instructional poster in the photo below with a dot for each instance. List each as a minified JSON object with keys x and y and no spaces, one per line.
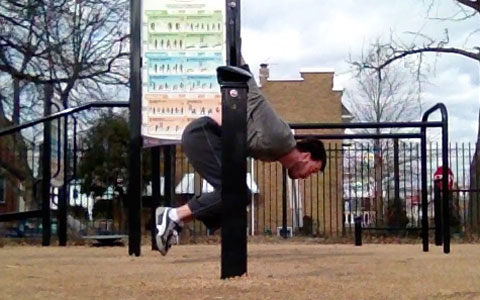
{"x":183,"y":44}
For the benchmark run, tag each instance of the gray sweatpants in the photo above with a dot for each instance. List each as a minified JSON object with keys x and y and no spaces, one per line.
{"x":201,"y":142}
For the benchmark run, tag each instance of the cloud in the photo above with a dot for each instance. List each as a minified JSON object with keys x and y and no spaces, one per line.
{"x":309,"y":33}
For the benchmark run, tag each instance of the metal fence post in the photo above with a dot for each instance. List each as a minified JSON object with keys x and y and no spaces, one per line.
{"x":155,"y":151}
{"x":284,"y":231}
{"x":397,"y":204}
{"x":437,"y":202}
{"x":169,"y":174}
{"x":46,"y":169}
{"x":64,"y":192}
{"x":358,"y":231}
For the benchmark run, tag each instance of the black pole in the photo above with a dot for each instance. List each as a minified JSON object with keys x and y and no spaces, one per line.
{"x":169,"y":173}
{"x":396,"y":177}
{"x":63,"y":199}
{"x":234,"y":170}
{"x":234,"y":54}
{"x":46,"y":168}
{"x":358,"y":231}
{"x":284,"y":232}
{"x":59,"y":143}
{"x":437,"y":202}
{"x":445,"y":188}
{"x":75,"y":149}
{"x":446,"y":194}
{"x":423,"y":124}
{"x":234,"y":89}
{"x":135,"y":154}
{"x":424,"y":191}
{"x":155,"y":191}
{"x":344,"y":136}
{"x":65,"y":112}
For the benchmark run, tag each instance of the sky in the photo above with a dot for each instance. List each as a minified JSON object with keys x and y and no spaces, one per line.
{"x":290,"y":35}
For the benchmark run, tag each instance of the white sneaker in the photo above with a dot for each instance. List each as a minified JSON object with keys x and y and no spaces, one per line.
{"x":166,"y":229}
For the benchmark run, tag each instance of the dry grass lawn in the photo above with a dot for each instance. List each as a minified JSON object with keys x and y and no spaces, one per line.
{"x":276,"y":271}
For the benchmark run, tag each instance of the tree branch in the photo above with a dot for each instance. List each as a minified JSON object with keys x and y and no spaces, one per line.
{"x":405,"y":53}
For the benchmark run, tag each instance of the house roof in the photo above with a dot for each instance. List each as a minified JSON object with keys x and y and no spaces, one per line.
{"x":317,"y":70}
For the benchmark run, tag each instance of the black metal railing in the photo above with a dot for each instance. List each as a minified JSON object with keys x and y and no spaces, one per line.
{"x":23,"y":156}
{"x":377,"y":177}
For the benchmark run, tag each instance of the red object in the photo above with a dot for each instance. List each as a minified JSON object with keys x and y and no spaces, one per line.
{"x":414,"y":200}
{"x":438,"y":175}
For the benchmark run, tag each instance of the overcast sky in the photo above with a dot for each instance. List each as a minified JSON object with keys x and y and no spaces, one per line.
{"x":294,"y":34}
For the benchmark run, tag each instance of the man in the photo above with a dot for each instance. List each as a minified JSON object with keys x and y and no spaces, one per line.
{"x":269,"y":138}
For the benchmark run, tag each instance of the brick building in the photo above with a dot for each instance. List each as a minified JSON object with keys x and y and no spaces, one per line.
{"x":315,"y":205}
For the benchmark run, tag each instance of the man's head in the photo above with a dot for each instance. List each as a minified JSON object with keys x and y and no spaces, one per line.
{"x":310,"y":159}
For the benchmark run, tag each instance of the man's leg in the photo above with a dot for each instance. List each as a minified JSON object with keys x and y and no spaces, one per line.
{"x":201,"y":143}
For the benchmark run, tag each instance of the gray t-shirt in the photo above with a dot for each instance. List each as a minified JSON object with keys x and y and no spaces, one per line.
{"x":268,"y":136}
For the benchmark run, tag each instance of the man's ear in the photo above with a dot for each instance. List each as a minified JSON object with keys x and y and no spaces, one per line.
{"x":306,"y":156}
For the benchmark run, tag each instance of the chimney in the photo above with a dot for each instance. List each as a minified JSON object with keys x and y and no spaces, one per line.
{"x":263,"y":74}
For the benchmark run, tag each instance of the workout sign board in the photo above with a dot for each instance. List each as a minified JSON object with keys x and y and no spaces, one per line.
{"x":183,"y":43}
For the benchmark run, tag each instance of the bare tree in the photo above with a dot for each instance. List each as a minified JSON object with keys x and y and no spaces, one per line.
{"x":386,"y":95}
{"x":421,"y":43}
{"x":389,"y":94}
{"x":79,"y":46}
{"x":68,"y":43}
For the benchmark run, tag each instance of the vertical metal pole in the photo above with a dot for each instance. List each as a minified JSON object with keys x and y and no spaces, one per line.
{"x":284,"y":232}
{"x":63,"y":199}
{"x":234,"y":187}
{"x":234,"y":154}
{"x":233,"y":33}
{"x":155,"y":191}
{"x":396,"y":177}
{"x":358,"y":231}
{"x":446,"y":194}
{"x":445,"y":189}
{"x":169,"y":174}
{"x":46,"y":167}
{"x":75,"y":149}
{"x":135,"y":154}
{"x":424,"y":190}
{"x":437,"y":202}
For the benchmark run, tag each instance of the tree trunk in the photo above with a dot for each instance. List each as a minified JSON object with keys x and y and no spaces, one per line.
{"x":16,"y":101}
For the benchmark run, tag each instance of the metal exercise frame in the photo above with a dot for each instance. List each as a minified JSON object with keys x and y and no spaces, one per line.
{"x":442,"y":228}
{"x":234,"y":194}
{"x":45,"y":212}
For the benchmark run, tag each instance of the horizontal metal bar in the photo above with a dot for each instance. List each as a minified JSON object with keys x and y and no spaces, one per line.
{"x":20,"y":216}
{"x":65,"y":112}
{"x":396,"y":228}
{"x":362,"y":136}
{"x":365,"y":125}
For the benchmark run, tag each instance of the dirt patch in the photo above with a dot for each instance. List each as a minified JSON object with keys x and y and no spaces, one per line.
{"x":276,"y":271}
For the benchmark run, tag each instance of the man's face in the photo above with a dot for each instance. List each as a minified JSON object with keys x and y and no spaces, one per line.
{"x":304,"y":167}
